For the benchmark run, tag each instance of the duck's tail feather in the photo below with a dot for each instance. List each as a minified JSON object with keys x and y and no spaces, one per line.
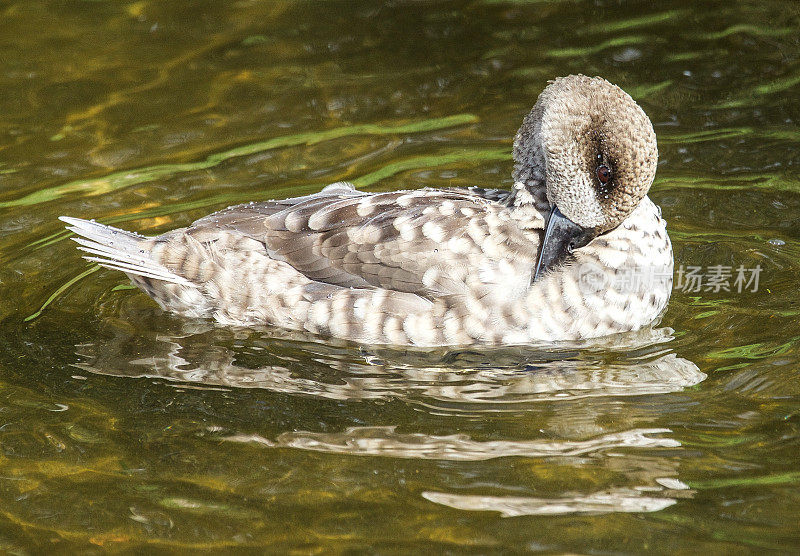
{"x":119,"y":250}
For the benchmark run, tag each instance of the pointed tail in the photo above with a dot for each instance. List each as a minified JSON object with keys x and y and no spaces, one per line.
{"x":119,"y":250}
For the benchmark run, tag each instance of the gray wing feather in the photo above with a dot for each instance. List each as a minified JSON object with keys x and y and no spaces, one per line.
{"x":348,"y":238}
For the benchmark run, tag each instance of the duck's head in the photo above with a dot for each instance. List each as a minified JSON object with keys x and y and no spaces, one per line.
{"x":595,"y":150}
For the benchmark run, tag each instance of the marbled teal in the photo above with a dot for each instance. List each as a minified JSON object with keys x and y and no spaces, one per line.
{"x":574,"y":250}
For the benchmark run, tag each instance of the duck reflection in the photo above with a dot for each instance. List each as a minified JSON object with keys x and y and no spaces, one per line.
{"x":456,"y":383}
{"x":630,"y":365}
{"x":615,"y":500}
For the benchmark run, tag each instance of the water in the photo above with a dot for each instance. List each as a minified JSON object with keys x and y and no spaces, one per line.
{"x":124,"y":428}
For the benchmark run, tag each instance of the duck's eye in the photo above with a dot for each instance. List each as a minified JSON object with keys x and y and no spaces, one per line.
{"x":603,"y":174}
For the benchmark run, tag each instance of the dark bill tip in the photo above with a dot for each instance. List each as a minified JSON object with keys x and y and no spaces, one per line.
{"x":561,"y":237}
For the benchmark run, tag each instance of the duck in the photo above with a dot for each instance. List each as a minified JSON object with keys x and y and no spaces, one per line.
{"x":574,"y":250}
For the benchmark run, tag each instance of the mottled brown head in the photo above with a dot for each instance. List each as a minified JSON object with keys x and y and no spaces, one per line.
{"x":594,"y":147}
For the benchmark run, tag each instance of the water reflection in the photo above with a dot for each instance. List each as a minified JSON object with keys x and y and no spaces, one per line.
{"x":476,"y":380}
{"x":552,"y":384}
{"x":386,"y":441}
{"x":657,"y":488}
{"x":614,"y":500}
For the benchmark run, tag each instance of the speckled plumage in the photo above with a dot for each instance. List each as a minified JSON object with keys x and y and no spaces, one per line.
{"x":434,"y":267}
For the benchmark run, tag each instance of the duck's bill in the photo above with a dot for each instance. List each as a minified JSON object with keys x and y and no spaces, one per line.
{"x":561,"y":237}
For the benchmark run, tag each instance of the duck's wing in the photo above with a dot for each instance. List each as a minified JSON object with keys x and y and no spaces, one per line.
{"x":427,"y":242}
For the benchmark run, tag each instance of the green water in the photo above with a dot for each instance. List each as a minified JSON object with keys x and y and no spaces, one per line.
{"x":125,"y":429}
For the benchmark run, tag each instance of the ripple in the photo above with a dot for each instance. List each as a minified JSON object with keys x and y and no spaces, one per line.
{"x":386,"y":441}
{"x":126,"y":178}
{"x":475,"y":380}
{"x":627,"y":500}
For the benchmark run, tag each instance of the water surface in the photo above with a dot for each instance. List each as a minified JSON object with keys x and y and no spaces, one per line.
{"x":126,"y":428}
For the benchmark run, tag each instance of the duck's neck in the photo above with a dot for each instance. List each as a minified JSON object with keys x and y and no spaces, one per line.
{"x":530,"y":193}
{"x":529,"y":174}
{"x":529,"y":205}
{"x":532,"y":171}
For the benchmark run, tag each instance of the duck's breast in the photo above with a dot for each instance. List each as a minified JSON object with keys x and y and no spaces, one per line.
{"x":621,"y":281}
